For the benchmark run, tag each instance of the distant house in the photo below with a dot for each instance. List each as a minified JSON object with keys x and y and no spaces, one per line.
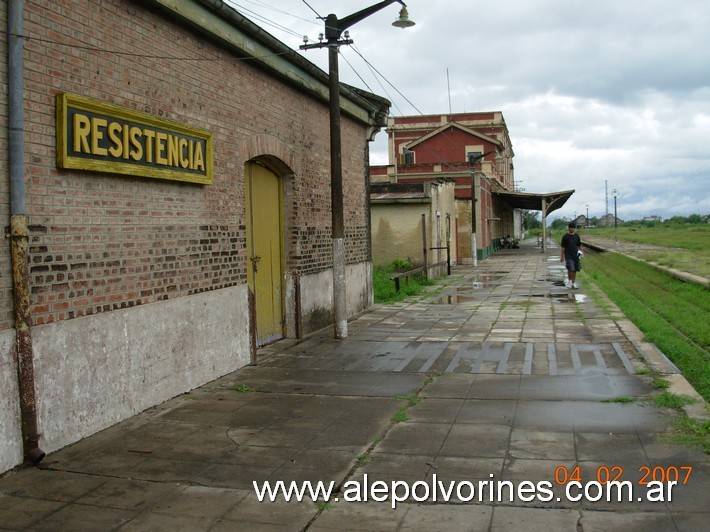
{"x":581,"y":221}
{"x":652,"y":218}
{"x":608,"y":221}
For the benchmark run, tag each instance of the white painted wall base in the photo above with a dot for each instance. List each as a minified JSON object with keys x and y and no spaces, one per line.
{"x":95,"y":371}
{"x":10,"y":429}
{"x":317,"y":295}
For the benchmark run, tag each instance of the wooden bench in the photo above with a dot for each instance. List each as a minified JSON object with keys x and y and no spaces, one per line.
{"x":405,"y":275}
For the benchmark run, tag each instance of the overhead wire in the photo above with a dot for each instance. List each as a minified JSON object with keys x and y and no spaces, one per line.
{"x":262,"y":18}
{"x":379,"y":77}
{"x":376,"y":73}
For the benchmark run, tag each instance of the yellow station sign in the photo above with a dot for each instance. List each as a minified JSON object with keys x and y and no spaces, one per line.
{"x":102,"y":137}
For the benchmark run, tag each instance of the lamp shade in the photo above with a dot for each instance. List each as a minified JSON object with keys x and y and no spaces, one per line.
{"x":403,"y":21}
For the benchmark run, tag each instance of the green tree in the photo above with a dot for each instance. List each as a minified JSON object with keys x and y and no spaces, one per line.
{"x":530,"y":220}
{"x":559,"y":223}
{"x":695,"y":219}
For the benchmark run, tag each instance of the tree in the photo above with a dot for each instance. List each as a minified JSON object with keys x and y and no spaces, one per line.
{"x":530,"y":220}
{"x":559,"y":223}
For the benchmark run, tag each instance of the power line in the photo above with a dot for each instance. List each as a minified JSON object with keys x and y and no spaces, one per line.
{"x":316,"y":12}
{"x":388,"y":82}
{"x":263,"y":19}
{"x":379,"y":77}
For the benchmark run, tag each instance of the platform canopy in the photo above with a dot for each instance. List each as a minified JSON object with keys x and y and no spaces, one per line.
{"x":547,"y":202}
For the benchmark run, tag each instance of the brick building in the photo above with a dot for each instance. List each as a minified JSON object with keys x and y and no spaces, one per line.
{"x":470,"y":148}
{"x":176,"y":195}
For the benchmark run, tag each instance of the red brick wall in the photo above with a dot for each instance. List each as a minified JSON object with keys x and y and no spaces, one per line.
{"x":101,"y":242}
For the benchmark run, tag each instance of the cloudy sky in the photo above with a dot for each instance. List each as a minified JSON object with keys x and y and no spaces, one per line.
{"x":603,"y":95}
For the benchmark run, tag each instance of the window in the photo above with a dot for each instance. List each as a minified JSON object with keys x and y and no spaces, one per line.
{"x":473,"y":156}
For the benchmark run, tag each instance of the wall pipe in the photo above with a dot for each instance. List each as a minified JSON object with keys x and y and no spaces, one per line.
{"x":19,"y":236}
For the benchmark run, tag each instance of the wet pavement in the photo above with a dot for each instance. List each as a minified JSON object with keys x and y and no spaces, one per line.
{"x":497,"y":375}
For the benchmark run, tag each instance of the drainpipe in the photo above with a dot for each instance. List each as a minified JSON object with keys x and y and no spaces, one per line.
{"x":19,"y":236}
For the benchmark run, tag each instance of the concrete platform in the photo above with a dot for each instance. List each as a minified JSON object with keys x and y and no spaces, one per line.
{"x":502,"y":378}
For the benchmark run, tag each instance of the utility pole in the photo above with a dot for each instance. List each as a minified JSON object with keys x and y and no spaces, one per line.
{"x":334,"y":28}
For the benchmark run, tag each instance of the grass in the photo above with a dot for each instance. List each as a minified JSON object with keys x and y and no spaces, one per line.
{"x":689,"y":431}
{"x":412,"y":400}
{"x":242,"y":388}
{"x":384,"y":287}
{"x":623,"y":399}
{"x":660,"y":384}
{"x":672,"y":400}
{"x":694,"y":237}
{"x":400,"y":416}
{"x":688,"y":245}
{"x":671,"y":313}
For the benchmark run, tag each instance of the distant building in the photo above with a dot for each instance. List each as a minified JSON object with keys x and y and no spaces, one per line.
{"x":474,"y":150}
{"x":608,"y":221}
{"x":408,"y":219}
{"x":581,"y":221}
{"x":652,"y":218}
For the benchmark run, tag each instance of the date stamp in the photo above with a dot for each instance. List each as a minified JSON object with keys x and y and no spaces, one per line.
{"x":614,"y":483}
{"x":615,"y":473}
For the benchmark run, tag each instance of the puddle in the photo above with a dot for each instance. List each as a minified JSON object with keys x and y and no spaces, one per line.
{"x":486,"y":280}
{"x":452,"y":299}
{"x":570,"y":298}
{"x":563,"y":298}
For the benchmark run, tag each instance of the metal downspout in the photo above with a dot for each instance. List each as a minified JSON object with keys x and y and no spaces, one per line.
{"x":19,"y":235}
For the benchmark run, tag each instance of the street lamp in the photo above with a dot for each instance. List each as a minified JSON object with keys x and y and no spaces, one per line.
{"x":472,"y":161}
{"x":334,"y":28}
{"x":615,"y":193}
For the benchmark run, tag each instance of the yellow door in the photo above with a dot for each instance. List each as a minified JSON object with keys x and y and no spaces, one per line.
{"x":265,"y":251}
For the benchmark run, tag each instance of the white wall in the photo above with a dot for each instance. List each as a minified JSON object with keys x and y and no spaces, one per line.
{"x":95,"y":371}
{"x":10,"y":429}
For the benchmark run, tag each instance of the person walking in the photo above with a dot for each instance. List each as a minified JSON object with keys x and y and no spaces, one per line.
{"x":570,"y":254}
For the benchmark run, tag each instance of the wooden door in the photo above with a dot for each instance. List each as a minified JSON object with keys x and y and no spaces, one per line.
{"x":265,"y":251}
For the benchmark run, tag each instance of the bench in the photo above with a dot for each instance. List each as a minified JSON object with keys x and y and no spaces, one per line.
{"x":405,"y":275}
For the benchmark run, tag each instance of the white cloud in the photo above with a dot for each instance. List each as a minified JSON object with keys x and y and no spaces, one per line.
{"x":615,"y":91}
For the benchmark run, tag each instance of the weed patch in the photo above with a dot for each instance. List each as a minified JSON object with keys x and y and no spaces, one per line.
{"x":384,"y":288}
{"x":623,"y":399}
{"x":672,"y":400}
{"x":660,"y":384}
{"x":691,"y":432}
{"x":401,"y":415}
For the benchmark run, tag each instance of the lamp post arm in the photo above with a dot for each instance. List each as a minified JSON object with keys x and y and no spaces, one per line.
{"x":334,"y":26}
